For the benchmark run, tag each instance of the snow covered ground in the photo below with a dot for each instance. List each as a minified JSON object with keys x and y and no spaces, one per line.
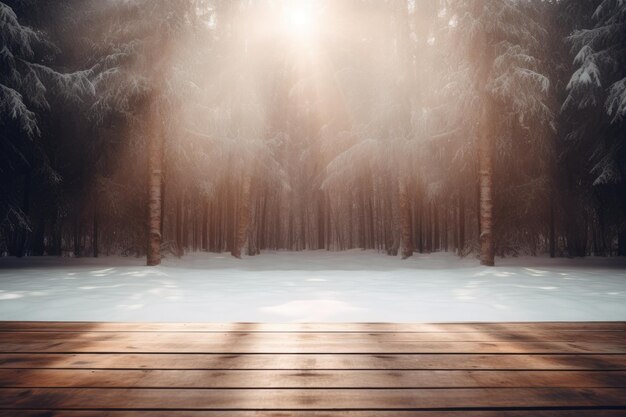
{"x":312,"y":286}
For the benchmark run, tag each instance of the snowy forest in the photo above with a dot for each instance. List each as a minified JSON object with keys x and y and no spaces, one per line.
{"x":157,"y":128}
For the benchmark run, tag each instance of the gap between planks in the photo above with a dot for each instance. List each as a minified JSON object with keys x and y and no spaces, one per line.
{"x":599,"y":347}
{"x":313,"y":327}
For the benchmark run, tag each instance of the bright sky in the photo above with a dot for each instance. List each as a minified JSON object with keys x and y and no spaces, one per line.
{"x":300,"y":18}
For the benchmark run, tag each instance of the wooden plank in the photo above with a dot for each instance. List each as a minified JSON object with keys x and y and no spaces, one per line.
{"x":312,"y":327}
{"x":267,"y":337}
{"x":49,"y":378}
{"x":311,"y":361}
{"x":442,"y":370}
{"x":239,"y":347}
{"x":309,"y":399}
{"x":296,"y":413}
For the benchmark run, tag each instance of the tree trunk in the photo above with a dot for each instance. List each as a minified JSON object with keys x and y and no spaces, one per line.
{"x":255,"y":230}
{"x":602,"y":246}
{"x":179,"y":225}
{"x":321,"y":204}
{"x":444,"y":229}
{"x":427,"y":228}
{"x":485,"y":175}
{"x":436,"y":234}
{"x":205,"y":227}
{"x":76,"y":236}
{"x":39,"y":236}
{"x":162,"y":222}
{"x":405,"y":219}
{"x":552,"y":230}
{"x":621,"y":243}
{"x":155,"y":166}
{"x":461,"y":225}
{"x":55,"y":244}
{"x":187,"y":212}
{"x":94,"y":236}
{"x":420,"y":227}
{"x":194,"y":229}
{"x":243,"y":221}
{"x":23,"y":231}
{"x":328,"y":225}
{"x":362,"y":212}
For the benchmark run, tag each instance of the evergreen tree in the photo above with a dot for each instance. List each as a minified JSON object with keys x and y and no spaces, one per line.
{"x":502,"y":40}
{"x":596,"y":108}
{"x":138,"y":81}
{"x":27,"y":85}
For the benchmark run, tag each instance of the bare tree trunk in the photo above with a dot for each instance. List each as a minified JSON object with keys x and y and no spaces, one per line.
{"x":552,"y":230}
{"x":436,"y":232}
{"x":23,"y":232}
{"x":321,"y":215}
{"x":231,"y":216}
{"x":243,"y":223}
{"x":445,"y":228}
{"x":328,"y":231}
{"x":455,"y":227}
{"x":76,"y":236}
{"x":195,"y":228}
{"x":253,"y":231}
{"x":405,"y":219}
{"x":394,"y":238}
{"x":426,"y":228}
{"x":94,"y":236}
{"x":212,"y":236}
{"x":55,"y":245}
{"x":621,"y":243}
{"x":361,"y":209}
{"x":420,"y":227}
{"x":155,"y":166}
{"x":162,"y":195}
{"x":372,"y":227}
{"x":205,"y":226}
{"x":485,"y":175}
{"x":477,"y":201}
{"x":187,"y":212}
{"x":461,"y":225}
{"x":38,"y":237}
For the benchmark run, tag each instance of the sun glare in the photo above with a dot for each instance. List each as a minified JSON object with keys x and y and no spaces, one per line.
{"x":300,"y":20}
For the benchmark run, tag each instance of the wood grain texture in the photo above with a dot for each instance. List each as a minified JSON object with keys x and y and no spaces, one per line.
{"x":85,"y":378}
{"x":300,"y":413}
{"x":312,"y":361}
{"x":243,"y":347}
{"x":314,"y":370}
{"x":309,"y":399}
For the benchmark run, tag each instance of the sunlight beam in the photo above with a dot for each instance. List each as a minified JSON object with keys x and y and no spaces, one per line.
{"x":300,"y":20}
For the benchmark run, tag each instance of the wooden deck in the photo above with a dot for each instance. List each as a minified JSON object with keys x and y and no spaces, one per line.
{"x":318,"y":370}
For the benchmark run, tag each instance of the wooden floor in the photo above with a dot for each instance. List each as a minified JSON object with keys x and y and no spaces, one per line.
{"x":320,"y":370}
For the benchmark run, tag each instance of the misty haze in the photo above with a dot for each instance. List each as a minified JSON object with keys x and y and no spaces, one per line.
{"x":312,"y":208}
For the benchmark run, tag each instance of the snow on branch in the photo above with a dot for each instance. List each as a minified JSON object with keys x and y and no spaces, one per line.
{"x":12,"y":103}
{"x":15,"y":37}
{"x":585,"y":76}
{"x":616,"y":101}
{"x":71,"y":86}
{"x":606,"y":171}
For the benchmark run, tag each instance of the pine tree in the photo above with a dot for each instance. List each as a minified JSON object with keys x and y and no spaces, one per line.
{"x":597,"y":90}
{"x":137,"y":81}
{"x":502,"y":39}
{"x":27,"y":84}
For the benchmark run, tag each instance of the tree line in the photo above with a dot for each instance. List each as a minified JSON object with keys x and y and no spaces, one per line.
{"x":151,"y":127}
